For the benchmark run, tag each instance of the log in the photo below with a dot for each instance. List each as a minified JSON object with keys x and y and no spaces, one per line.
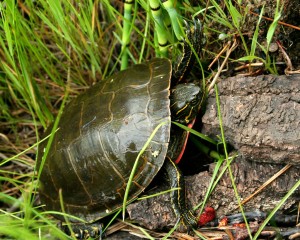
{"x":260,"y":116}
{"x":157,"y":213}
{"x":261,"y":119}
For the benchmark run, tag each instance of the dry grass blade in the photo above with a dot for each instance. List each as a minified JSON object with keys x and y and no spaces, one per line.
{"x":212,"y":84}
{"x":283,"y":170}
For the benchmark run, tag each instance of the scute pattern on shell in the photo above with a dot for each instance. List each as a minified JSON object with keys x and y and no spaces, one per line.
{"x":100,"y":135}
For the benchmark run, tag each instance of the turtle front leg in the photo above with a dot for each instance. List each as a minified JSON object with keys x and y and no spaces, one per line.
{"x":176,"y":180}
{"x":186,"y":60}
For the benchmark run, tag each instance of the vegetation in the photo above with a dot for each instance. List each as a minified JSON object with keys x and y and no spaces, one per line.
{"x":53,"y":50}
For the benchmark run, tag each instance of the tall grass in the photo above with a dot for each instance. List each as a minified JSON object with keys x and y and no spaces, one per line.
{"x":49,"y":50}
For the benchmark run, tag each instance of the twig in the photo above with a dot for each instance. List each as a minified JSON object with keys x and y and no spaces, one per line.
{"x":233,"y":46}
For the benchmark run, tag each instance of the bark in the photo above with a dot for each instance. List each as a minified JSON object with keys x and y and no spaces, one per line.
{"x":261,"y":119}
{"x":260,"y":116}
{"x":157,"y":213}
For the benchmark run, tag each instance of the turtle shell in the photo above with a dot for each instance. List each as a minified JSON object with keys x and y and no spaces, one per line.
{"x":100,"y":135}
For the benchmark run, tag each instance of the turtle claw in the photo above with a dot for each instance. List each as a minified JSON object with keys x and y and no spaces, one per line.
{"x":196,"y":36}
{"x":191,"y":47}
{"x":83,"y":231}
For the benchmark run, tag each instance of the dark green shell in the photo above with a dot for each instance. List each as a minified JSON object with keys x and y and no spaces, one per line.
{"x":100,"y":134}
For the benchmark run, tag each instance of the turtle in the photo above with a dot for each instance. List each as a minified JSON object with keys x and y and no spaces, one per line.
{"x":102,"y":131}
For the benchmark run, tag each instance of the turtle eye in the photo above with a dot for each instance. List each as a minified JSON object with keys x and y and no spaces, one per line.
{"x":194,"y":102}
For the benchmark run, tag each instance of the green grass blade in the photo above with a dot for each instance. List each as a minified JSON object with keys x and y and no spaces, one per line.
{"x":135,"y":166}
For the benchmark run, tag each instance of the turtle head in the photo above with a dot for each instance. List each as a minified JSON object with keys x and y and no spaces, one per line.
{"x":185,"y":102}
